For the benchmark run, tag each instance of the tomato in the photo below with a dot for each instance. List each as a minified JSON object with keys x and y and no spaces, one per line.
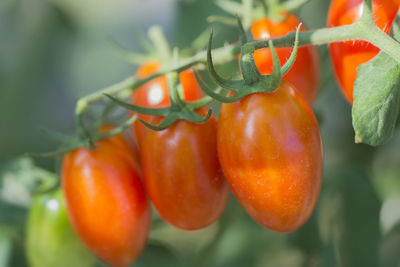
{"x":270,"y":150}
{"x":182,"y":175}
{"x":155,"y":94}
{"x":51,"y":241}
{"x":304,"y":74}
{"x":347,"y":56}
{"x":106,"y":201}
{"x":122,"y":142}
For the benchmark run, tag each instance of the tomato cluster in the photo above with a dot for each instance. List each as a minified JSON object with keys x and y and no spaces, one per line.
{"x":266,"y":148}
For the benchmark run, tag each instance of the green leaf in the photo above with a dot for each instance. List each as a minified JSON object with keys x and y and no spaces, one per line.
{"x":376,"y":100}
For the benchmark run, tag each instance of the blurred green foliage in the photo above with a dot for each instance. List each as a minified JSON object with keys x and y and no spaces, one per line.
{"x":53,"y":51}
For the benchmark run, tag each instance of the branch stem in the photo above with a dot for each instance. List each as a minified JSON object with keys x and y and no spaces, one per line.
{"x":364,"y":29}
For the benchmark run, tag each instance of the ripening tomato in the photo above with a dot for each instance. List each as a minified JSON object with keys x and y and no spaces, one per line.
{"x":154,"y":94}
{"x":347,"y":56}
{"x":106,"y":201}
{"x":50,"y":239}
{"x":182,"y":175}
{"x":270,"y":150}
{"x":304,"y":74}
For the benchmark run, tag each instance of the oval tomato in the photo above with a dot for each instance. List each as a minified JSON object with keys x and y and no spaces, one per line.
{"x":347,"y":56}
{"x":106,"y":201}
{"x":270,"y":150}
{"x":50,"y":240}
{"x":182,"y":175}
{"x":304,"y":74}
{"x":154,"y":94}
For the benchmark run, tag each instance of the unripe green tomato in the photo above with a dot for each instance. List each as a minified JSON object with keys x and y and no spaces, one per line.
{"x":51,"y":241}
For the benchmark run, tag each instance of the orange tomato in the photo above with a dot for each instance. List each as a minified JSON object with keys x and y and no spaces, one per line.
{"x":106,"y":201}
{"x":347,"y":56}
{"x":270,"y":150}
{"x":182,"y":175}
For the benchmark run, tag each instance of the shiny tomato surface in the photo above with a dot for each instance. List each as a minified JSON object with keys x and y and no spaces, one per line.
{"x":182,"y":175}
{"x":106,"y":201}
{"x":305,"y":73}
{"x":154,"y":94}
{"x":270,"y":150}
{"x":347,"y":56}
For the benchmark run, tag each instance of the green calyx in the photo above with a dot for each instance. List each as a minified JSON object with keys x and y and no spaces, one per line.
{"x":253,"y":81}
{"x":178,"y":109}
{"x":70,"y":143}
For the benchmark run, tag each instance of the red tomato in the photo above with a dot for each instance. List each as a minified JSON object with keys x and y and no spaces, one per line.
{"x":347,"y":56}
{"x":155,"y":94}
{"x":182,"y":175}
{"x":304,"y":74}
{"x":106,"y":201}
{"x":270,"y":150}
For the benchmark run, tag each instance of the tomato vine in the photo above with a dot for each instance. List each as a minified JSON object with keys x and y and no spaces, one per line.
{"x":363,"y":29}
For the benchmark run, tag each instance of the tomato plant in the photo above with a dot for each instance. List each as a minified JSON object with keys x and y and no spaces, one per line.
{"x":264,"y":142}
{"x":155,"y":93}
{"x":270,"y":150}
{"x":347,"y":56}
{"x":182,"y":174}
{"x":305,"y":72}
{"x":106,"y":200}
{"x":51,"y":241}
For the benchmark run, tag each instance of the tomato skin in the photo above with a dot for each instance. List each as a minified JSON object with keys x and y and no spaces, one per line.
{"x":154,"y":94}
{"x":270,"y":150}
{"x":304,"y":74}
{"x":106,"y":201}
{"x":122,"y":142}
{"x":51,"y":241}
{"x":182,"y":175}
{"x":347,"y":56}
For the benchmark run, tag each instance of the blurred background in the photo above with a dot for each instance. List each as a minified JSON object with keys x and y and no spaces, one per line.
{"x":54,"y":51}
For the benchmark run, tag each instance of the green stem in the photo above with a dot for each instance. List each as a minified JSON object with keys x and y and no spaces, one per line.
{"x":364,"y":29}
{"x":358,"y":31}
{"x":200,"y":103}
{"x":316,"y":37}
{"x":81,"y":128}
{"x":368,"y":31}
{"x":83,"y":102}
{"x":174,"y":96}
{"x":250,"y":75}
